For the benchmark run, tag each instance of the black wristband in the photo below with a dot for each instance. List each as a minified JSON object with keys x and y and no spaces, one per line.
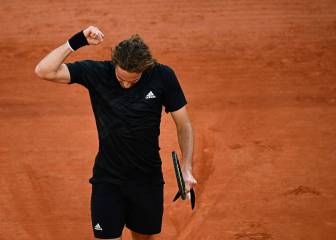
{"x":78,"y":40}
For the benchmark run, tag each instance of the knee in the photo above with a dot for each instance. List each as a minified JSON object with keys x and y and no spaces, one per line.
{"x":138,"y":236}
{"x":108,"y":238}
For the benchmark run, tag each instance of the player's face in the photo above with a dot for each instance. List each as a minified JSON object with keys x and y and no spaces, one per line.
{"x":126,"y":79}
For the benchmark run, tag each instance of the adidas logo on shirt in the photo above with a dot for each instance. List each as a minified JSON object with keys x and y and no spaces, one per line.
{"x":98,"y":228}
{"x":150,"y":95}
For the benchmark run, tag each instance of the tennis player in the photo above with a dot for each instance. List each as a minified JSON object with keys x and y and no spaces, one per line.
{"x":127,"y":95}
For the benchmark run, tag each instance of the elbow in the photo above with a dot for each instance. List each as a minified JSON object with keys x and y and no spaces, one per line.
{"x":42,"y":74}
{"x":38,"y":71}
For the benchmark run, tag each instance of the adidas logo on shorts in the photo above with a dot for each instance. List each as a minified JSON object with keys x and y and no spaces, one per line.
{"x":97,"y":227}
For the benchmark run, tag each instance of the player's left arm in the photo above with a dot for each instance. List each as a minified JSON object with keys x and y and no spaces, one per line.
{"x":186,"y":142}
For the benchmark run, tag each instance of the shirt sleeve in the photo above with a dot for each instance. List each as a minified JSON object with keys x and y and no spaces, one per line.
{"x":173,"y":97}
{"x":80,"y":72}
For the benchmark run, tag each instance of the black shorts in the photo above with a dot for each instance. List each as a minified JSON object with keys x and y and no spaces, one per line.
{"x":138,"y":205}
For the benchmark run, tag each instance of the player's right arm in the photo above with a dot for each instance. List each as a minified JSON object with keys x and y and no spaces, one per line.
{"x":52,"y":66}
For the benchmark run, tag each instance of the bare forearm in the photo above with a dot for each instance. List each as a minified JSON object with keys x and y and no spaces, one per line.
{"x":186,"y":142}
{"x":49,"y":65}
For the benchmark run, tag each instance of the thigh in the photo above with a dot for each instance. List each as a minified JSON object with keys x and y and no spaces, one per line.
{"x":145,"y":208}
{"x":107,"y":210}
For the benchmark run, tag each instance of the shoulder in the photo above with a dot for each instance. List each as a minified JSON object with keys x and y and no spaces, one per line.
{"x":101,"y":65}
{"x":168,"y":78}
{"x":98,"y":68}
{"x":167,"y":74}
{"x":165,"y":69}
{"x":90,"y":64}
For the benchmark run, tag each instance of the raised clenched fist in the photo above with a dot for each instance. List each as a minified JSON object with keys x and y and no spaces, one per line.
{"x":93,"y":35}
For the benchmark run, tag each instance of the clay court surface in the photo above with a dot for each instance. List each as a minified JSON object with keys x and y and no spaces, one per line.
{"x":259,"y":77}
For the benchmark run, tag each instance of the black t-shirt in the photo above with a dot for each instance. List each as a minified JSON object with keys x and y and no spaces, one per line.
{"x":128,"y":119}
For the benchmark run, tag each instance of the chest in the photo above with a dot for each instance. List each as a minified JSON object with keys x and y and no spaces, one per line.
{"x":142,"y":99}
